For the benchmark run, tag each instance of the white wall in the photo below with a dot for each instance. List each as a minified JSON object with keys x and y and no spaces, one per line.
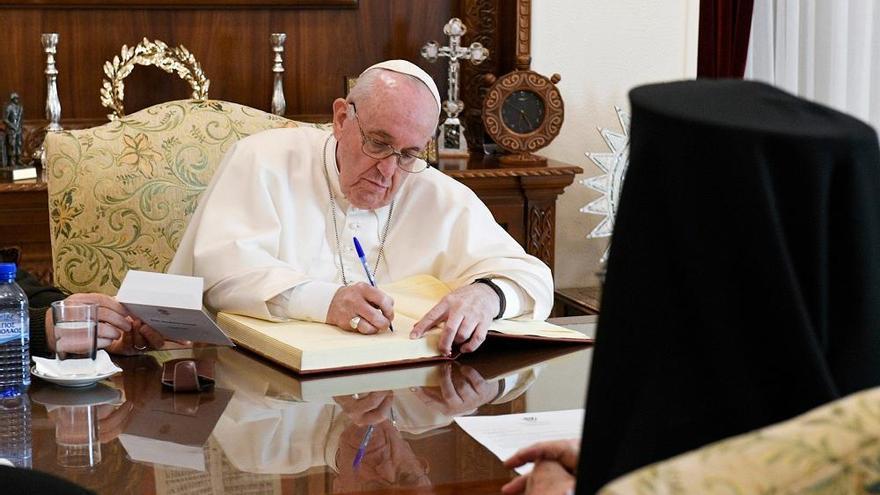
{"x":602,"y":49}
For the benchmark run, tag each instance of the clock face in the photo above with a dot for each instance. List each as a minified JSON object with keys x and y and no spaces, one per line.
{"x":522,"y":111}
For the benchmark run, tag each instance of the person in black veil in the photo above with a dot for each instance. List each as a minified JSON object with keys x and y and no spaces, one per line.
{"x":743,"y":283}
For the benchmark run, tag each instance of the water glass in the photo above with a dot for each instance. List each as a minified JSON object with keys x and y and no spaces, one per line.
{"x":76,"y":436}
{"x":76,"y":330}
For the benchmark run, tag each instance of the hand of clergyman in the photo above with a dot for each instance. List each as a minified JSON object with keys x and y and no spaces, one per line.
{"x":546,"y":478}
{"x":374,"y":307}
{"x":467,"y":313}
{"x":555,"y":464}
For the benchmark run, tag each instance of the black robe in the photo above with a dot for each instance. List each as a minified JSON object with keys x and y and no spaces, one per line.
{"x":743,"y":285}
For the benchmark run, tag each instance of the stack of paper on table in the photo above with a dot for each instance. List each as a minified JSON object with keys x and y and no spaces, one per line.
{"x":309,"y":347}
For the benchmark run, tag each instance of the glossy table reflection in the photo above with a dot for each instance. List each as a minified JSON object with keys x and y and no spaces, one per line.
{"x":265,"y":430}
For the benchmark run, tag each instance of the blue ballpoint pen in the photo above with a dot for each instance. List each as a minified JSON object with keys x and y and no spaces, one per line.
{"x":363,"y":257}
{"x":362,"y":449}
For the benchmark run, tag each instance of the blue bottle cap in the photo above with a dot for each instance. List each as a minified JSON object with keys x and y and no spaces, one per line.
{"x":7,"y":270}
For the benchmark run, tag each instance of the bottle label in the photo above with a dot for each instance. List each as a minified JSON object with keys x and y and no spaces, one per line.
{"x":10,"y":328}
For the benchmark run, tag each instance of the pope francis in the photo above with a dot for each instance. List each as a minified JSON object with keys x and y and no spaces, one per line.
{"x":272,"y":235}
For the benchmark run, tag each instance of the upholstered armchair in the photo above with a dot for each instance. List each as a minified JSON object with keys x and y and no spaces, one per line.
{"x":121,"y":194}
{"x":832,"y":449}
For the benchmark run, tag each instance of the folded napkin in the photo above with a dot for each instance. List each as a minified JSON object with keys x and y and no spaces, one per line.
{"x":81,"y":368}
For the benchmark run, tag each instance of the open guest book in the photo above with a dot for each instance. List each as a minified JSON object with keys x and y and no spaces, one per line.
{"x":309,"y":347}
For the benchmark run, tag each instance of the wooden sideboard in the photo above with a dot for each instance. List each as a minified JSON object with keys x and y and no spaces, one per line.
{"x":523,"y":201}
{"x":24,"y":222}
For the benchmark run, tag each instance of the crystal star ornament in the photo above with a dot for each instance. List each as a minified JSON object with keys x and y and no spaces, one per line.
{"x":613,"y":166}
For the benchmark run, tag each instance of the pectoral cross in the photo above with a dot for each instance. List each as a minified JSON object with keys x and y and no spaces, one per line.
{"x":452,"y":137}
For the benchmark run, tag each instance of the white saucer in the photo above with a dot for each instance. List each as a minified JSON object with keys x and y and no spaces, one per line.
{"x":73,"y":380}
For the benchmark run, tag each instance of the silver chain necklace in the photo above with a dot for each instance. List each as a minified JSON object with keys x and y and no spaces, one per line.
{"x":381,"y":253}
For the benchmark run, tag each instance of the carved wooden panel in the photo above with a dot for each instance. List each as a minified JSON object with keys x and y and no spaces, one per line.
{"x":542,"y":219}
{"x":523,"y":32}
{"x":482,"y":18}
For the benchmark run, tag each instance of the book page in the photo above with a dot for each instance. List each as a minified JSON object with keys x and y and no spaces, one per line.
{"x":415,"y":296}
{"x":536,"y":329}
{"x":314,"y":336}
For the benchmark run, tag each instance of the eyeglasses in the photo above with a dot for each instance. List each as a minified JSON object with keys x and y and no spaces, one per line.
{"x":406,"y":161}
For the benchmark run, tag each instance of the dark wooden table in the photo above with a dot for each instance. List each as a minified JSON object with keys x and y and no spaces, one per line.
{"x":285,"y":435}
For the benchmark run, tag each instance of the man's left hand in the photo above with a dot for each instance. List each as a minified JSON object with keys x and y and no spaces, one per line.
{"x":467,"y":311}
{"x":141,"y":337}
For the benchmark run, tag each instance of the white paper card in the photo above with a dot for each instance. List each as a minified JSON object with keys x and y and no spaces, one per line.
{"x":505,"y":434}
{"x":160,"y":452}
{"x":24,"y":173}
{"x":172,"y":304}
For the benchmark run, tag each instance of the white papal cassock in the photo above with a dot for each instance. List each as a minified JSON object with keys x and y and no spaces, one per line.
{"x":263,"y":236}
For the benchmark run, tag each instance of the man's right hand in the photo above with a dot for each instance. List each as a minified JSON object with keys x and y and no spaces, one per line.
{"x":375,"y":308}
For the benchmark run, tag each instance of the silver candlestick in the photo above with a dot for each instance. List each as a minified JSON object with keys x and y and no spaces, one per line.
{"x":53,"y":104}
{"x":278,"y":103}
{"x":452,"y":140}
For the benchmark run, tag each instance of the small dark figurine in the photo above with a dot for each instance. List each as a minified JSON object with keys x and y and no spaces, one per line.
{"x":12,"y":118}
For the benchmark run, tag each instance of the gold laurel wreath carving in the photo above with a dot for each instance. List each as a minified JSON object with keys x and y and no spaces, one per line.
{"x":156,"y":53}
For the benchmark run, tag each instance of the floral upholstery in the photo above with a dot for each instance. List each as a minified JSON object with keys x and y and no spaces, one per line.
{"x":121,"y":194}
{"x":834,"y":449}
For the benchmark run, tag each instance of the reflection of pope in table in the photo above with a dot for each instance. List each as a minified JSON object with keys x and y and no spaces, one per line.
{"x":264,"y":434}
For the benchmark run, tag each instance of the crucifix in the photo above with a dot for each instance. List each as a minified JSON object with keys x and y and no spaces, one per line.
{"x":451,"y":141}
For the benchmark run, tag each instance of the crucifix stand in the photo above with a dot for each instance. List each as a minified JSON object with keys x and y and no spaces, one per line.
{"x":451,"y":140}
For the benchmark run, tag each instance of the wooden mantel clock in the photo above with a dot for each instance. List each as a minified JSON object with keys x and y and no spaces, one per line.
{"x":523,"y":110}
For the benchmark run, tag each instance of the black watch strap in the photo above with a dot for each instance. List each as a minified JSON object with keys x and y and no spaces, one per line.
{"x":501,"y":299}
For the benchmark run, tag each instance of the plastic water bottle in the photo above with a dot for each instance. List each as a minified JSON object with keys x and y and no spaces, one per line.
{"x":14,"y":333}
{"x":15,"y":428}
